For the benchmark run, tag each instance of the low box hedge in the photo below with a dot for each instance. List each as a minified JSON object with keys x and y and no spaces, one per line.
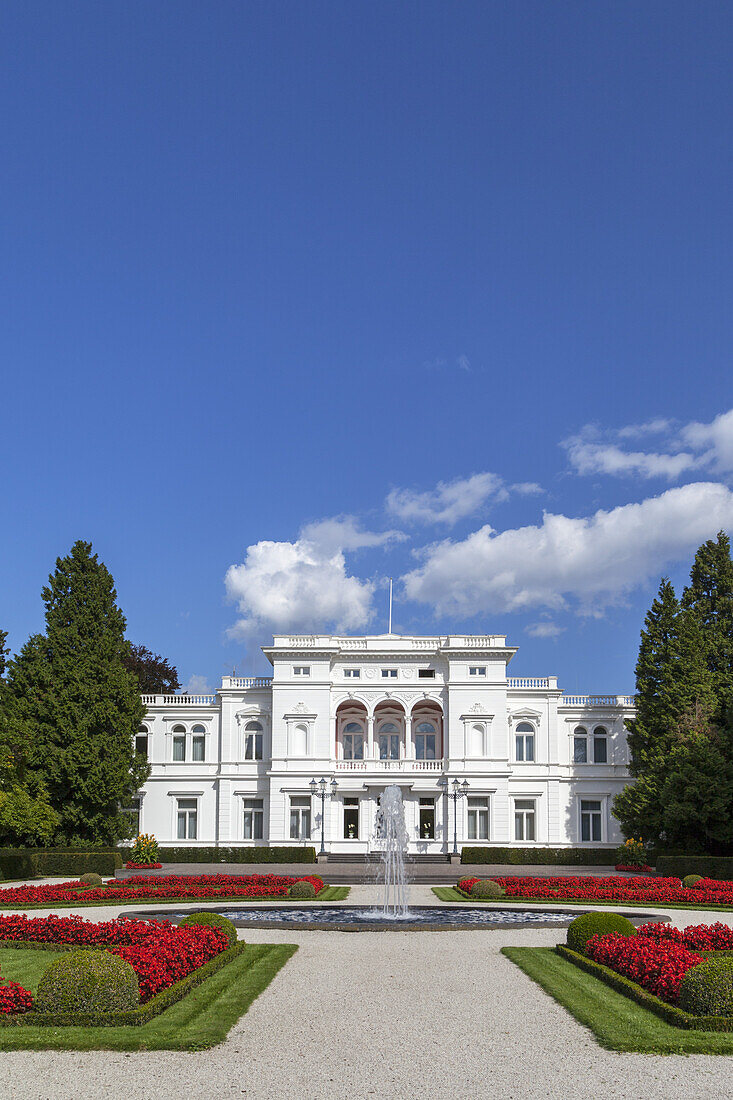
{"x":670,"y":1013}
{"x":720,"y":867}
{"x":17,"y":863}
{"x":233,"y":855}
{"x":591,"y":857}
{"x":135,"y":1017}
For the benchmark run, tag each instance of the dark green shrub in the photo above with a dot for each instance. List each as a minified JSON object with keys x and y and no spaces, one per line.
{"x":487,"y":888}
{"x":720,"y":867}
{"x":88,"y":981}
{"x":213,"y":920}
{"x":70,"y":862}
{"x":303,"y":890}
{"x":583,"y":928}
{"x":211,"y":854}
{"x":707,"y":989}
{"x":690,"y":880}
{"x":588,"y":857}
{"x":90,"y":879}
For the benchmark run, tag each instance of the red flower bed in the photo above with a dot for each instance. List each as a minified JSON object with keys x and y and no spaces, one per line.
{"x":159,"y":952}
{"x":634,"y":869}
{"x":13,"y":998}
{"x":641,"y":888}
{"x":657,"y":967}
{"x":152,"y":888}
{"x":696,"y":937}
{"x":143,"y":866}
{"x":465,"y":884}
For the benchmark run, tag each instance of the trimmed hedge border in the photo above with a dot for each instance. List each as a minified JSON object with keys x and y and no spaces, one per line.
{"x":571,"y":857}
{"x":142,"y":1015}
{"x":718,"y":867}
{"x":232,"y":855}
{"x":18,"y":863}
{"x":671,"y":1014}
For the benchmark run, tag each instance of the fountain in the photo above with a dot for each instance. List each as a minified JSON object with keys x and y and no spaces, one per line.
{"x":391,"y":838}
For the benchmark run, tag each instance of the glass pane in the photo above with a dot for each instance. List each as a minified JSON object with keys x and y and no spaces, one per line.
{"x":430,"y":747}
{"x":141,"y":744}
{"x":258,"y":746}
{"x":294,"y":822}
{"x":472,"y":825}
{"x":520,"y":748}
{"x":181,"y":825}
{"x":259,"y":819}
{"x":483,"y":824}
{"x":599,"y":750}
{"x":306,"y":825}
{"x":247,"y":824}
{"x":199,"y":744}
{"x":179,"y":748}
{"x":580,"y":754}
{"x":585,"y":827}
{"x":192,"y":825}
{"x":529,"y":824}
{"x":518,"y":827}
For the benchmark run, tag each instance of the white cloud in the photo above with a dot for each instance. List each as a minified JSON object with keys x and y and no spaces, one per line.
{"x":304,"y":585}
{"x":592,"y":562}
{"x":606,"y":458}
{"x":449,"y":501}
{"x":544,"y":630}
{"x":651,"y":427}
{"x":526,"y":488}
{"x":463,"y":363}
{"x":197,"y":685}
{"x":716,"y":439}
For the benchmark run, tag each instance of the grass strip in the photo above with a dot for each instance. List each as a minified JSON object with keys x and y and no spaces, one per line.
{"x":449,"y":893}
{"x":328,"y":893}
{"x":617,"y":1022}
{"x":198,"y":1021}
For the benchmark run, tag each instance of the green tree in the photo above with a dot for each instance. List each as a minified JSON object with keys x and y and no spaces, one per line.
{"x":4,"y":651}
{"x":26,"y":821}
{"x":709,"y":596}
{"x":76,"y":707}
{"x":155,"y":674}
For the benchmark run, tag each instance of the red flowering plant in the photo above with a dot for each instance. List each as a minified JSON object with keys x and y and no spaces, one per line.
{"x":696,"y":937}
{"x":13,"y":998}
{"x":657,"y":967}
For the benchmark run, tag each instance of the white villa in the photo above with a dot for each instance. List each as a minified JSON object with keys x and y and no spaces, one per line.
{"x":482,"y":758}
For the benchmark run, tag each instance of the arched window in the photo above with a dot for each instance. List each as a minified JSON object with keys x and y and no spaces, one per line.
{"x":141,"y":742}
{"x":389,"y":741}
{"x":300,"y":741}
{"x":524,"y":741}
{"x":198,"y":743}
{"x":253,"y":741}
{"x":179,"y":743}
{"x":476,"y":741}
{"x":352,"y":739}
{"x":600,"y":745}
{"x":425,"y":741}
{"x":580,"y":745}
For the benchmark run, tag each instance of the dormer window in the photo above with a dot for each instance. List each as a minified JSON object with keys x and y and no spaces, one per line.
{"x":301,"y":670}
{"x":477,"y":670}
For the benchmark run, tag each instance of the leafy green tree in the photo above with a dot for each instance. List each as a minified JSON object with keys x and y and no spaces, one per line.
{"x":155,"y":674}
{"x":709,"y":596}
{"x":75,"y":705}
{"x":3,"y":652}
{"x":26,"y":821}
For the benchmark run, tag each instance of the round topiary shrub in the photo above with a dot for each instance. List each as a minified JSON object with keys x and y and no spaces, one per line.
{"x":213,"y":920}
{"x":487,"y":888}
{"x":303,"y":890}
{"x":707,"y":989}
{"x":88,"y":981}
{"x":690,"y":880}
{"x":583,"y":928}
{"x":90,"y":879}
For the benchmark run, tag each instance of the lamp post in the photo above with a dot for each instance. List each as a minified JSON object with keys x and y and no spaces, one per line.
{"x":320,"y":786}
{"x":459,"y":790}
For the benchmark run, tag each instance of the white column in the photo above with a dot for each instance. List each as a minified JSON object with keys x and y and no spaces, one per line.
{"x":370,"y":737}
{"x":409,"y":747}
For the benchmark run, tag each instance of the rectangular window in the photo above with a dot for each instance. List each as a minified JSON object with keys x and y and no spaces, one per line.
{"x":389,"y":673}
{"x":425,"y":746}
{"x":300,"y":818}
{"x":353,"y":746}
{"x":141,"y":745}
{"x":352,"y":673}
{"x":600,"y":750}
{"x":179,"y":748}
{"x":133,"y":810}
{"x":478,"y":819}
{"x":524,"y":819}
{"x":389,"y":746}
{"x":254,"y":818}
{"x":253,"y":746}
{"x":477,"y":670}
{"x":427,"y":819}
{"x":590,"y":820}
{"x":525,"y":747}
{"x":580,"y":750}
{"x":198,"y":749}
{"x":351,"y":819}
{"x":187,"y":812}
{"x":426,"y":674}
{"x":301,"y":670}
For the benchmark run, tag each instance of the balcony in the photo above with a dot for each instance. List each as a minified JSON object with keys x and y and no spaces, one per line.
{"x":387,"y":765}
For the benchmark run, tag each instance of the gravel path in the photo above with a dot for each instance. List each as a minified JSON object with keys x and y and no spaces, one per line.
{"x":408,"y":1015}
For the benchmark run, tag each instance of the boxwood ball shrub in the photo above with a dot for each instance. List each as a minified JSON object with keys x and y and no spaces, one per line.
{"x":213,"y":920}
{"x":88,"y":981}
{"x":690,"y":880}
{"x":90,"y":879}
{"x":487,"y":888}
{"x":303,"y":890}
{"x":707,"y":989}
{"x":583,"y":928}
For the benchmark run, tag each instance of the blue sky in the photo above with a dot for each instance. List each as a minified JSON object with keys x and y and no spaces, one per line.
{"x":298,"y":297}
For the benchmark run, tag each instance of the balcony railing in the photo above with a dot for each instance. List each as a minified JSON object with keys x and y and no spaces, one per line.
{"x":178,"y":700}
{"x":246,"y":681}
{"x":597,"y":701}
{"x":531,"y":681}
{"x":388,"y":765}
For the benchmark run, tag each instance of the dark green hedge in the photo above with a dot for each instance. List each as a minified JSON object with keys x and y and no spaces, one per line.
{"x":671,"y":1013}
{"x":720,"y":867}
{"x":29,"y":862}
{"x":593,"y":857}
{"x":136,"y":1016}
{"x":234,"y":855}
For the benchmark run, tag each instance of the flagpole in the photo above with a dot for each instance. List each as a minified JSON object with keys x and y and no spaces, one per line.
{"x":390,"y":606}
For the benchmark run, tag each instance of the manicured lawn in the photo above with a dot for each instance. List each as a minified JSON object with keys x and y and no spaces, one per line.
{"x":201,"y":1019}
{"x":25,"y":965}
{"x":615,"y":1020}
{"x":328,"y":893}
{"x":448,"y":893}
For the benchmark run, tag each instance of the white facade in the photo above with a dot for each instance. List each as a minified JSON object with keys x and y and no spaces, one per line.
{"x":235,"y":768}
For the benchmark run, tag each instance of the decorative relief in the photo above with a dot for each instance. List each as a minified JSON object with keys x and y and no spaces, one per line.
{"x":408,"y":673}
{"x":300,"y":708}
{"x":477,"y":708}
{"x":370,"y":673}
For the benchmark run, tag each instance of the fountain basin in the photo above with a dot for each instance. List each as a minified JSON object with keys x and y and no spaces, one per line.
{"x":362,"y":918}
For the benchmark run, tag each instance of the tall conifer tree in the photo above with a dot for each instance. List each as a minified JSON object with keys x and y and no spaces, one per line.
{"x":709,"y":596}
{"x":77,"y":703}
